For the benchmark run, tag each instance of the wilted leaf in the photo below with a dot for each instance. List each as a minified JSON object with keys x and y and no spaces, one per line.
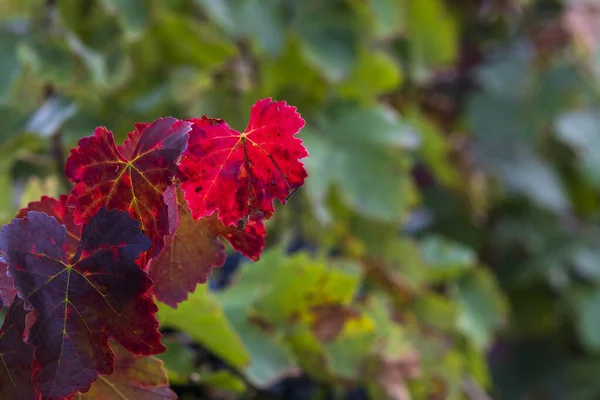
{"x":329,"y":320}
{"x":393,"y":374}
{"x":134,"y":378}
{"x":191,"y":253}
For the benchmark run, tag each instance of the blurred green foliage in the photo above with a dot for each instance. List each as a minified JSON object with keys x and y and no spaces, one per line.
{"x":448,"y":233}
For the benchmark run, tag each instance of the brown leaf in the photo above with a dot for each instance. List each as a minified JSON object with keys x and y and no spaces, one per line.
{"x":394,"y":372}
{"x":329,"y":320}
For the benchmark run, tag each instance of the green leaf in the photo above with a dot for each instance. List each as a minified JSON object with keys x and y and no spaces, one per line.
{"x":291,"y":77}
{"x":445,"y":259}
{"x":329,"y":33}
{"x":187,"y":41}
{"x":300,"y":283}
{"x":429,"y":46}
{"x":506,"y":75}
{"x":270,"y":357}
{"x":388,"y":15}
{"x":202,"y":318}
{"x":435,"y":150}
{"x":51,"y":61}
{"x":349,"y":351}
{"x":35,"y":188}
{"x":223,"y":380}
{"x":581,"y":131}
{"x":482,"y":308}
{"x":13,"y":122}
{"x":9,"y":63}
{"x":499,"y":122}
{"x":258,"y":19}
{"x":7,"y":209}
{"x":361,"y":150}
{"x":375,"y":73}
{"x":520,"y":168}
{"x":132,"y":14}
{"x":436,"y":311}
{"x":178,"y":359}
{"x":106,"y":69}
{"x":586,"y":307}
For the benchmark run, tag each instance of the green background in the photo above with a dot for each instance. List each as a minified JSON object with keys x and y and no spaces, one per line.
{"x":446,"y":244}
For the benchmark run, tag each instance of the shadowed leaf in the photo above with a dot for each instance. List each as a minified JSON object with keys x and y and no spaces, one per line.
{"x":135,"y":378}
{"x":195,"y":248}
{"x":81,"y":302}
{"x":15,"y":356}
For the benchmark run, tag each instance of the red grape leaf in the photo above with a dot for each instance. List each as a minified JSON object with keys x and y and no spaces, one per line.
{"x":131,"y":177}
{"x":7,"y":286}
{"x":239,"y":174}
{"x":81,"y":302}
{"x":16,"y":357}
{"x":135,"y":378}
{"x":195,"y":248}
{"x":133,"y":137}
{"x":64,"y":215}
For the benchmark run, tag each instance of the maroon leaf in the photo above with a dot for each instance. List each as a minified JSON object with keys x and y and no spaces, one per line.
{"x":64,"y":216}
{"x":193,"y":251}
{"x":16,"y":357}
{"x":131,"y":177}
{"x":81,"y":302}
{"x":7,"y":286}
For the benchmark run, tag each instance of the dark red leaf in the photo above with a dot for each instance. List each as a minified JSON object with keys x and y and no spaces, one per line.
{"x":135,"y":378}
{"x":81,"y":302}
{"x":64,"y":215}
{"x":16,"y":357}
{"x":190,"y":255}
{"x":133,"y":137}
{"x":7,"y":286}
{"x":239,"y":174}
{"x":131,"y":177}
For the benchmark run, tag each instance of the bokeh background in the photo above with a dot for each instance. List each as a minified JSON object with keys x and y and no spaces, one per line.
{"x":446,"y":244}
